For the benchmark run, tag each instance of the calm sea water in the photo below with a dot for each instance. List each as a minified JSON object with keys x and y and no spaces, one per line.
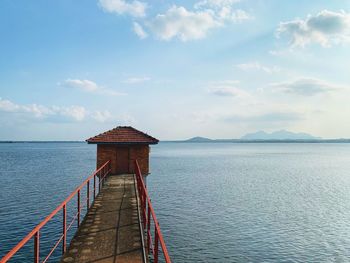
{"x":215,"y":202}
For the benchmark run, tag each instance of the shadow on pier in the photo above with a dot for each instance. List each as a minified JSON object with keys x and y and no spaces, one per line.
{"x":110,"y":231}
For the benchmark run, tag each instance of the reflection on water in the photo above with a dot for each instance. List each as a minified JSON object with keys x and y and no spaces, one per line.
{"x":253,"y":202}
{"x":215,"y":202}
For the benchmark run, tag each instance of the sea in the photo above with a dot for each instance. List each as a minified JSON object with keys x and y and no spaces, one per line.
{"x":216,"y":202}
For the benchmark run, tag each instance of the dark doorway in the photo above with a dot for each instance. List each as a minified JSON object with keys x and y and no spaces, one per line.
{"x":122,"y":160}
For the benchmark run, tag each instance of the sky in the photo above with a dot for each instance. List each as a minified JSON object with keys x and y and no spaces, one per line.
{"x":71,"y":69}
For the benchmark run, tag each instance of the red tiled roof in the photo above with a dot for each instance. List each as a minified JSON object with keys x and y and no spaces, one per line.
{"x":123,"y":135}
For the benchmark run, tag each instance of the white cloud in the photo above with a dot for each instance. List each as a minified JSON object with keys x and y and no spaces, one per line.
{"x":224,"y":10}
{"x":325,"y":28}
{"x":136,"y":80}
{"x":102,"y":116}
{"x":8,"y":106}
{"x":236,"y":16}
{"x":36,"y":111}
{"x":85,"y":85}
{"x":183,"y":24}
{"x":228,"y":92}
{"x":76,"y":112}
{"x":139,"y":31}
{"x":227,"y":88}
{"x":133,"y":8}
{"x":54,"y":113}
{"x":258,"y":67}
{"x":90,"y":86}
{"x":305,"y":86}
{"x":215,"y":3}
{"x":179,"y":22}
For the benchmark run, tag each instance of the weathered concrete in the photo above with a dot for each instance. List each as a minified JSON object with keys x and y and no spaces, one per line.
{"x":110,"y":232}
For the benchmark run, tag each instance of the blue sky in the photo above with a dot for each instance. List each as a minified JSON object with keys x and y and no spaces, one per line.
{"x":176,"y":69}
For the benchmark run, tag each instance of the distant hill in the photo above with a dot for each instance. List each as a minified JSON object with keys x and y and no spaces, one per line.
{"x":199,"y":139}
{"x":279,"y":135}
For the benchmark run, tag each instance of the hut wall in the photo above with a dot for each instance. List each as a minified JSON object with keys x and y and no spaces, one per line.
{"x":111,"y":152}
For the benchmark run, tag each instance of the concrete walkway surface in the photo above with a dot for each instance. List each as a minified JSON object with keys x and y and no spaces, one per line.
{"x":110,"y":232}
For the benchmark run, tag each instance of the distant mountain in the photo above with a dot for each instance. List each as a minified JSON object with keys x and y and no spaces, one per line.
{"x":279,"y":135}
{"x":199,"y":139}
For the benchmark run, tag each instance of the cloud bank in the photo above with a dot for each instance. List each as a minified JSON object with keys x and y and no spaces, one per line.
{"x":305,"y":86}
{"x":325,"y":28}
{"x":178,"y":22}
{"x":227,"y":88}
{"x":133,"y":8}
{"x":256,"y":66}
{"x":89,"y":86}
{"x":37,"y":112}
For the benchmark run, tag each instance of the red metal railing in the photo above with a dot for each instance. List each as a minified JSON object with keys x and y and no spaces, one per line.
{"x":148,"y":216}
{"x":100,"y":176}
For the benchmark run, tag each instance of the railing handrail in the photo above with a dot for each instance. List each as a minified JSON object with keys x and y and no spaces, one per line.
{"x":15,"y":249}
{"x":144,"y":196}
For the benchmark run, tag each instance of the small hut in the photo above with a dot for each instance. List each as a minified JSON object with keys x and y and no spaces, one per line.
{"x":123,"y":145}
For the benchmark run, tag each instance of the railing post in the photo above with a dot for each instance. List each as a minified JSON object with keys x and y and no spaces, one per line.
{"x":144,"y":210}
{"x":37,"y":247}
{"x":78,"y":219}
{"x":104,"y":176}
{"x":99,"y":181}
{"x":94,"y":186}
{"x":88,"y":195}
{"x":156,"y":241}
{"x":35,"y":236}
{"x":148,"y":228}
{"x":141,"y":201}
{"x":64,"y":230}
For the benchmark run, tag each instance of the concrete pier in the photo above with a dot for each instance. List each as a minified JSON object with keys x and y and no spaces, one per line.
{"x":111,"y":230}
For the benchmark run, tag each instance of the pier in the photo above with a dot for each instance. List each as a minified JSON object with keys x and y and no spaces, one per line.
{"x":119,"y":223}
{"x":111,"y":230}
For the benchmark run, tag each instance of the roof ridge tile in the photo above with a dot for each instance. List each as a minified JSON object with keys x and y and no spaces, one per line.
{"x":123,"y":135}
